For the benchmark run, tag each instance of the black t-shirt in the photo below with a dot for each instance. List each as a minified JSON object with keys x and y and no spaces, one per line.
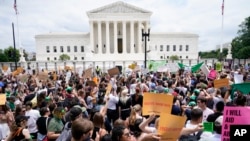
{"x":29,"y":97}
{"x":125,"y":105}
{"x":214,"y":116}
{"x":135,"y":101}
{"x":41,"y":124}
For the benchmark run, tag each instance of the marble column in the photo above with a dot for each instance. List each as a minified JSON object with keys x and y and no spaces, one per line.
{"x":132,"y":32}
{"x":139,"y":37}
{"x":124,"y":40}
{"x":115,"y":37}
{"x":99,"y":37}
{"x":107,"y":38}
{"x":92,"y":35}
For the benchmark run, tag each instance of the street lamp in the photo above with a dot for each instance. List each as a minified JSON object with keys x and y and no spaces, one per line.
{"x":145,"y":35}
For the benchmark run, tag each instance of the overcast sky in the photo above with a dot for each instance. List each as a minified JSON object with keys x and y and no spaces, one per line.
{"x":202,"y":17}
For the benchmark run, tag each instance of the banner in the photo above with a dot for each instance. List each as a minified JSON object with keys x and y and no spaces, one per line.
{"x":156,"y":103}
{"x":243,"y":87}
{"x":2,"y":99}
{"x":172,"y":67}
{"x":154,"y":65}
{"x":234,"y":116}
{"x":170,"y":126}
{"x":218,"y":83}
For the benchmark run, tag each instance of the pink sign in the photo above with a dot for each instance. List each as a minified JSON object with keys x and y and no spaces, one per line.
{"x":232,"y":116}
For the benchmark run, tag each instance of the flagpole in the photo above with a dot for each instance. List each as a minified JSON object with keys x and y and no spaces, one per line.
{"x":222,"y":27}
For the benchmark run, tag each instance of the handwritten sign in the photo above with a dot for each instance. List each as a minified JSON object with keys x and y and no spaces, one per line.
{"x":234,"y":116}
{"x":170,"y":126}
{"x":113,"y":71}
{"x":109,"y":87}
{"x":218,"y":83}
{"x":2,"y":99}
{"x":156,"y":103}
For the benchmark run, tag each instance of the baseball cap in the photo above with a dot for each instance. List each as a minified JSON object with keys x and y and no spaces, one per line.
{"x":69,"y":89}
{"x":192,"y":103}
{"x":21,"y":118}
{"x":74,"y":112}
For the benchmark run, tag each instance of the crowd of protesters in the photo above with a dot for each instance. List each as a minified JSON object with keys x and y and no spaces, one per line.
{"x":66,"y":107}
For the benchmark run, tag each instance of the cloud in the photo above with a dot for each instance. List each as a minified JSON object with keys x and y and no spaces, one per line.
{"x":193,"y":16}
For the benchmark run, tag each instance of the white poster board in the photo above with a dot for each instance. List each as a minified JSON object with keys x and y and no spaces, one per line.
{"x":172,"y":67}
{"x":238,"y":78}
{"x":205,"y":69}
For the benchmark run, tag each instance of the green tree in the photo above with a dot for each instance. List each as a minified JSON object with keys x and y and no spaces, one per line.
{"x":11,"y":54}
{"x":174,"y":57}
{"x":241,"y":43}
{"x":64,"y":57}
{"x":25,"y":55}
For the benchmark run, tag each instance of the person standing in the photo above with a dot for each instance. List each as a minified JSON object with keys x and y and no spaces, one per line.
{"x":33,"y":117}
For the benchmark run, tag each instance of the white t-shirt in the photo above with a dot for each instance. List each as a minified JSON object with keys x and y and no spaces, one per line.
{"x":33,"y":116}
{"x":206,"y":113}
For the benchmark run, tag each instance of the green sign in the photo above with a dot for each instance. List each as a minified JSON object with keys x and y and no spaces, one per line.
{"x":208,"y":126}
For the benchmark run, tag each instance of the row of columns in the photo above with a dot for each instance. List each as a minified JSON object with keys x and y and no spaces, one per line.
{"x":132,"y":38}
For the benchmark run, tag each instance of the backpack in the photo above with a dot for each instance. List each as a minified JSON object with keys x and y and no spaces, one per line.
{"x":66,"y":133}
{"x":191,"y":137}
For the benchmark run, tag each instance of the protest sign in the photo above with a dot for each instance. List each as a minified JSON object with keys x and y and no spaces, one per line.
{"x":5,"y":68}
{"x":109,"y":87}
{"x":19,"y":69}
{"x":91,"y":83}
{"x":205,"y":70}
{"x":87,"y":73}
{"x":208,"y":126}
{"x":23,"y":78}
{"x":170,"y":126}
{"x":172,"y":67}
{"x":156,"y":103}
{"x":238,"y":78}
{"x":113,"y":71}
{"x":95,"y":79}
{"x":234,"y":116}
{"x":43,"y":76}
{"x":2,"y":99}
{"x":218,"y":83}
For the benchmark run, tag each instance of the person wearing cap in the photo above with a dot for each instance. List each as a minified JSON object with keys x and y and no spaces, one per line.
{"x":18,"y":130}
{"x":34,"y":115}
{"x":55,"y":125}
{"x":75,"y":112}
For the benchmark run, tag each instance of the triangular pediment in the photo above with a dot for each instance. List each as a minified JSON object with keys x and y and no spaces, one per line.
{"x":119,"y":7}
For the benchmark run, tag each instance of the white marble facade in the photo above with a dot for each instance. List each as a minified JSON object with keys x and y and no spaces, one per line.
{"x":116,"y":35}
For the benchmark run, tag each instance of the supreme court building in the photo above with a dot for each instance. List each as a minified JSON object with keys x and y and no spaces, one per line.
{"x":116,"y":35}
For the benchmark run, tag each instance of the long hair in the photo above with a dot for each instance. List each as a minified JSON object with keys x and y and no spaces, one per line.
{"x":124,"y":98}
{"x":136,"y":108}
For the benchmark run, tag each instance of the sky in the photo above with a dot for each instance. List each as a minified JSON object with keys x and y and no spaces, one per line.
{"x":202,"y":17}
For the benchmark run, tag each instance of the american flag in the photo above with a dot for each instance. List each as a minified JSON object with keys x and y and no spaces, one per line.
{"x":222,"y":7}
{"x":15,"y":7}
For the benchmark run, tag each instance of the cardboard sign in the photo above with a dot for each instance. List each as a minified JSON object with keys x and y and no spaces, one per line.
{"x":95,"y":79}
{"x":170,"y":126}
{"x":87,"y":73}
{"x":23,"y":78}
{"x":5,"y":68}
{"x":43,"y":76}
{"x":15,"y":73}
{"x":91,"y":83}
{"x":19,"y":69}
{"x":2,"y":99}
{"x":234,"y":116}
{"x":157,"y":103}
{"x":109,"y":87}
{"x":113,"y":71}
{"x":218,"y":83}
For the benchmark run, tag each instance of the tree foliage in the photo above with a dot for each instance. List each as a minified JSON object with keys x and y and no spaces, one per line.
{"x":174,"y":57}
{"x":64,"y":57}
{"x":241,"y":43}
{"x":9,"y":55}
{"x":214,"y":53}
